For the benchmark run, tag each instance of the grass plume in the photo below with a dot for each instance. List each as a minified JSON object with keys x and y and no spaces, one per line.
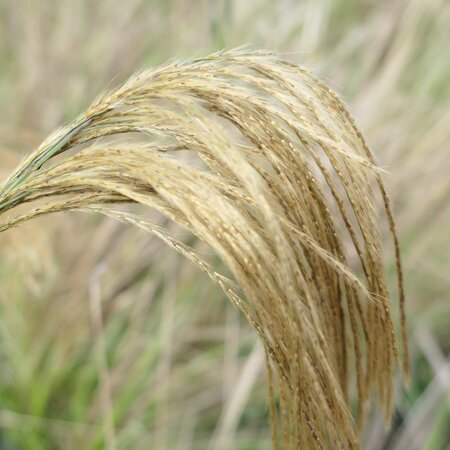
{"x":272,"y":174}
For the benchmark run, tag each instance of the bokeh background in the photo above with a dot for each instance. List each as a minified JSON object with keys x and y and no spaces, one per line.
{"x":110,"y":340}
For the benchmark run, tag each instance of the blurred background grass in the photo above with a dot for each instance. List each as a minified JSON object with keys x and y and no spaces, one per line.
{"x":110,"y":340}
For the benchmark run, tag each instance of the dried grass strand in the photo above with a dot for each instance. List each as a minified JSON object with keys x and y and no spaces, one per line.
{"x":282,"y":185}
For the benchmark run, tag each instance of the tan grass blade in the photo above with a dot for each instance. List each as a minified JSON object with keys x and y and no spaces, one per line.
{"x":281,"y":184}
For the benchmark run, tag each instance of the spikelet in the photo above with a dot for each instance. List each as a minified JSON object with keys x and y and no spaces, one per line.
{"x":281,"y":184}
